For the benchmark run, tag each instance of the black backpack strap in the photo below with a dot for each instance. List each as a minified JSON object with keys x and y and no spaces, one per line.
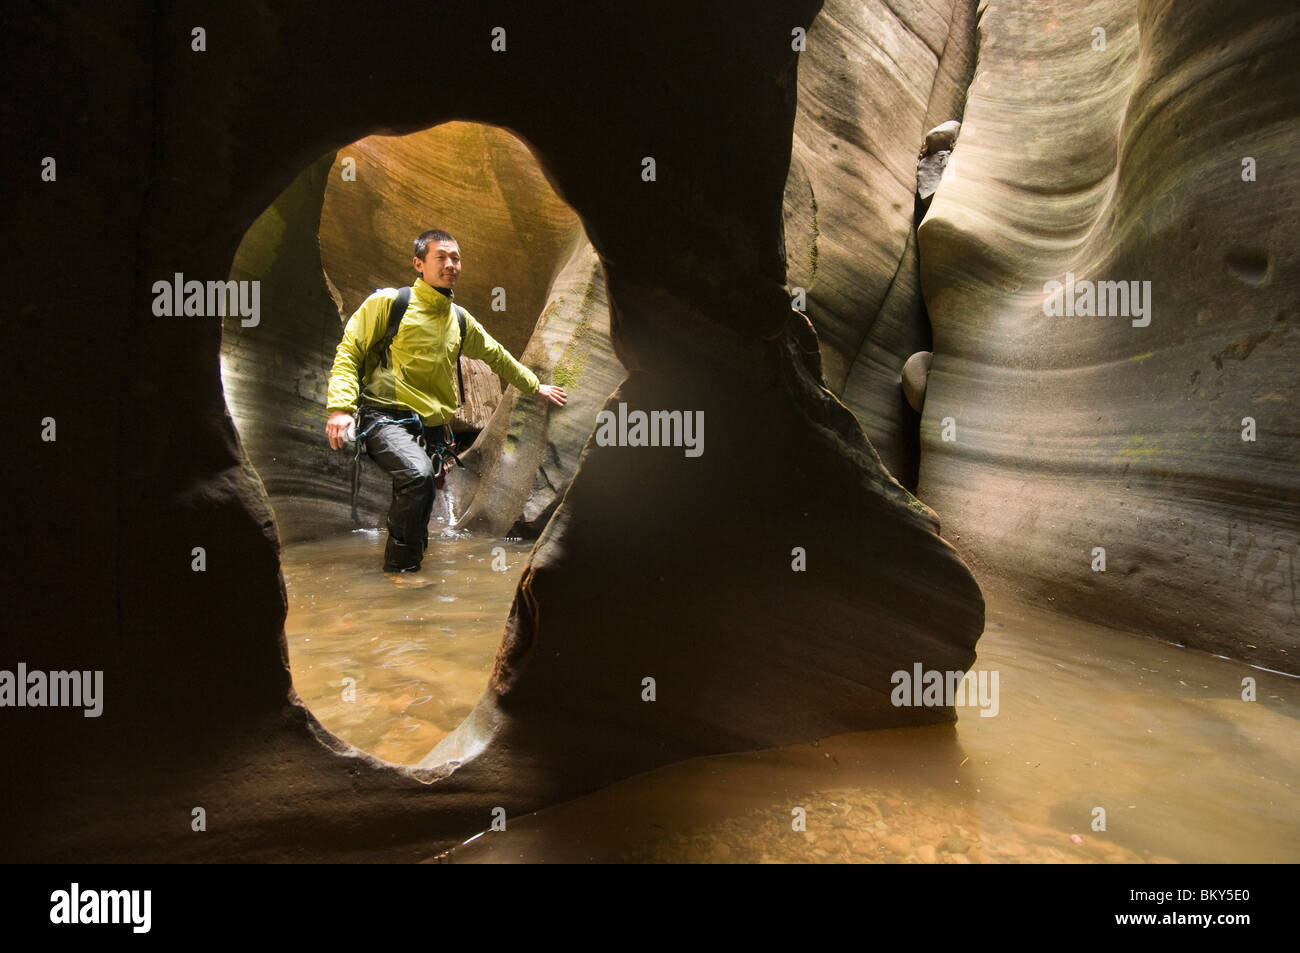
{"x":395,"y":313}
{"x":460,"y":377}
{"x":380,"y":347}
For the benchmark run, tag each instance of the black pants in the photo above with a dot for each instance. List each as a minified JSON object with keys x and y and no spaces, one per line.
{"x":396,"y":445}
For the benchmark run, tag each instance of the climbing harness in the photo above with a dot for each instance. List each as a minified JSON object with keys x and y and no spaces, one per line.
{"x":443,"y":452}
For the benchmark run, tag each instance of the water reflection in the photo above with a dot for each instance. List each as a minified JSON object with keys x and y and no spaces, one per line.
{"x":418,"y":647}
{"x":1156,"y":736}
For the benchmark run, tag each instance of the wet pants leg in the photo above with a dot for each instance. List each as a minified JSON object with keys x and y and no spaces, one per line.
{"x":394,"y":446}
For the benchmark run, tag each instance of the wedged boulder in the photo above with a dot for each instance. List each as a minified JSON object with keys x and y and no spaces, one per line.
{"x":913,"y":379}
{"x":482,"y":397}
{"x":933,"y":160}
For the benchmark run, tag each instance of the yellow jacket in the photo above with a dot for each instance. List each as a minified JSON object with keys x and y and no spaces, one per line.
{"x":421,"y":375}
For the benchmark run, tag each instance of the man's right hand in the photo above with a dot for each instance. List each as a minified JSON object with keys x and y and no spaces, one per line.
{"x":336,"y":428}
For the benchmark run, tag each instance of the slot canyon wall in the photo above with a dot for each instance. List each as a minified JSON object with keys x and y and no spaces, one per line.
{"x":779,"y":170}
{"x":1117,"y":155}
{"x":874,"y":78}
{"x":1109,"y":142}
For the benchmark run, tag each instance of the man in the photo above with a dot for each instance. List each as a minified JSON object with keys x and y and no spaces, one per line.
{"x":406,"y":403}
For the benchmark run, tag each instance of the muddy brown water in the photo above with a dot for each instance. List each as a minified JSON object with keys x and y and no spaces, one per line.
{"x":1089,"y":720}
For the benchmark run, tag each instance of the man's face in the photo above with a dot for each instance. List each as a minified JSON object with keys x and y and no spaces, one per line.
{"x":441,"y":265}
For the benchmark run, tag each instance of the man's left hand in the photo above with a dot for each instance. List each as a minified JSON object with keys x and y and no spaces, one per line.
{"x":554,"y":393}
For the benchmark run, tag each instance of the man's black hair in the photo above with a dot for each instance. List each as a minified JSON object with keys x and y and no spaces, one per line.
{"x":431,"y":237}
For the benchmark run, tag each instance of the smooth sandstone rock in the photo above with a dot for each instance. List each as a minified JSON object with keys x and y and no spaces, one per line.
{"x":913,"y":378}
{"x":529,"y":452}
{"x":275,"y":375}
{"x":873,"y":79}
{"x":1124,"y":162}
{"x":1078,"y":433}
{"x":941,"y":138}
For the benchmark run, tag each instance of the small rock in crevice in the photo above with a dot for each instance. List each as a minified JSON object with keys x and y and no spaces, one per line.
{"x":933,"y":158}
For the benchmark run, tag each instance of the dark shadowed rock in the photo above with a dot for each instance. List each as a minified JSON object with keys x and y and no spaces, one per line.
{"x":631,"y":579}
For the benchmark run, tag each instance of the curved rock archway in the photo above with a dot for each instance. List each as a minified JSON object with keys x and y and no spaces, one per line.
{"x":344,"y":227}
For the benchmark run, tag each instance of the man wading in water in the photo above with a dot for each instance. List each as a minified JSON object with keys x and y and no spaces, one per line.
{"x":394,"y":370}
